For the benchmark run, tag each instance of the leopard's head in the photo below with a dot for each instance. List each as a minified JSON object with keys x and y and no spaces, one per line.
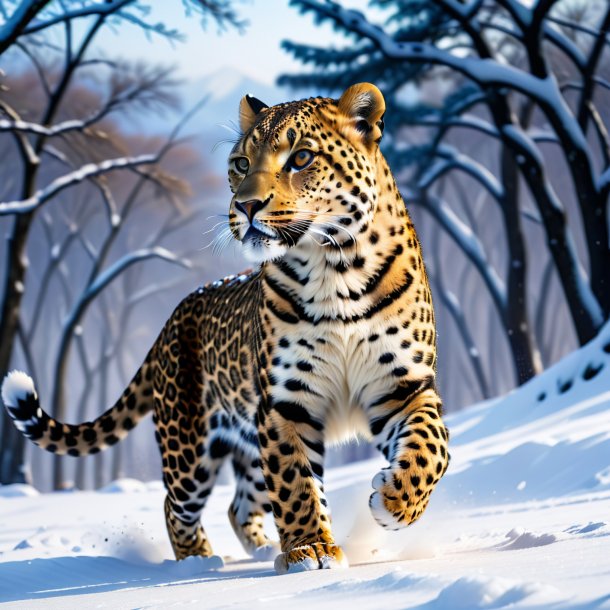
{"x":305,"y":171}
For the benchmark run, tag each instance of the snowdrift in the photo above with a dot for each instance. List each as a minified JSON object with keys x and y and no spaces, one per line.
{"x":521,"y":520}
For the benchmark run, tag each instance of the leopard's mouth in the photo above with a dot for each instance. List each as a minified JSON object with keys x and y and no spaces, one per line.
{"x":262,"y":242}
{"x":257,"y":236}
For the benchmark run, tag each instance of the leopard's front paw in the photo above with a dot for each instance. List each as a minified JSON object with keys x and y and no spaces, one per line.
{"x":316,"y":556}
{"x":399,"y":498}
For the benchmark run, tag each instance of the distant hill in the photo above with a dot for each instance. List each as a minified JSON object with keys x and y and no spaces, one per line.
{"x":215,"y":126}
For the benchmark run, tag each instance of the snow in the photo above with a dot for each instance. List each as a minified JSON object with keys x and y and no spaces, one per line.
{"x":521,"y":520}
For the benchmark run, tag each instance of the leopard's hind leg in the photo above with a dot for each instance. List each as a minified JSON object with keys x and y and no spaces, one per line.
{"x":189,"y":473}
{"x":192,"y":453}
{"x":249,"y":506}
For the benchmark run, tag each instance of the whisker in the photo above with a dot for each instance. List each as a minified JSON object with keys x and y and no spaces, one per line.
{"x":222,"y":234}
{"x":218,"y":224}
{"x":225,"y":141}
{"x":326,"y":224}
{"x":222,"y":243}
{"x":235,"y":131}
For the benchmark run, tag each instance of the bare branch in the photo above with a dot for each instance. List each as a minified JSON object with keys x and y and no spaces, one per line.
{"x":102,"y":8}
{"x":588,"y":74}
{"x":579,"y":27}
{"x":603,"y":83}
{"x":37,"y":66}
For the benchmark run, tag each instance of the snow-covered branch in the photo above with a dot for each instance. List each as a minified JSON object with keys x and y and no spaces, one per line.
{"x":63,"y":182}
{"x":11,"y":29}
{"x":486,"y":72}
{"x":454,"y":159}
{"x":604,"y":181}
{"x":483,"y":72}
{"x":92,"y":290}
{"x":41,"y":130}
{"x":28,"y":153}
{"x":468,"y":242}
{"x":466,"y":122}
{"x":126,"y":261}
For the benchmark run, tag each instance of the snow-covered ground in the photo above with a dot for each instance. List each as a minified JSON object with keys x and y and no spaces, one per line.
{"x":521,"y":520}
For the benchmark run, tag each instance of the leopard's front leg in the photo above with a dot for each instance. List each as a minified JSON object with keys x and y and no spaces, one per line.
{"x":414,"y":439}
{"x":292,"y":451}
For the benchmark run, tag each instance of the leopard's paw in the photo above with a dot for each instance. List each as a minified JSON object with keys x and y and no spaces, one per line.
{"x":397,"y":501}
{"x":331,"y":556}
{"x":316,"y":556}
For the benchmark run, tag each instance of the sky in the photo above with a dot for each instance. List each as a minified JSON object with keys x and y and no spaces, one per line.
{"x":256,"y":52}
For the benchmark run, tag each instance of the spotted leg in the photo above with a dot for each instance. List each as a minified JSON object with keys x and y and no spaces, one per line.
{"x":292,"y":451}
{"x":414,"y":440}
{"x":249,"y":506}
{"x":190,"y":465}
{"x":189,"y":480}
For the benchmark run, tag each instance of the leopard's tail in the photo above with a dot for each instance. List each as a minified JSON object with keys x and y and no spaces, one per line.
{"x":21,"y":401}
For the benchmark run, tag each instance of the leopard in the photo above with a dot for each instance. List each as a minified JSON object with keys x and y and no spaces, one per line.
{"x":331,"y":335}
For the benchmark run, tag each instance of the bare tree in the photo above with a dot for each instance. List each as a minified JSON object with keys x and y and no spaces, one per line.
{"x":520,"y":83}
{"x":62,"y":148}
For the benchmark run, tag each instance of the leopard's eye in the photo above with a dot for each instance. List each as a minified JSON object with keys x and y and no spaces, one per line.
{"x":300,"y":160}
{"x":241,"y":165}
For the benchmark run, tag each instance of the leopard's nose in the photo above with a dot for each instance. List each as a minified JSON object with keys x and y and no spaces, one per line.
{"x":250,"y":208}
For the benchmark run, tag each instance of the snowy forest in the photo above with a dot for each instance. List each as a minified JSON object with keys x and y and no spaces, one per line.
{"x":497,"y":129}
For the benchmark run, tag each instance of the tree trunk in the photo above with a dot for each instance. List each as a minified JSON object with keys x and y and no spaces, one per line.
{"x":12,"y":467}
{"x":584,"y":309}
{"x":520,"y":336}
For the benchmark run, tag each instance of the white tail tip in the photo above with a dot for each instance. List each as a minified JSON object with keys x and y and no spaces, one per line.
{"x":17,"y":385}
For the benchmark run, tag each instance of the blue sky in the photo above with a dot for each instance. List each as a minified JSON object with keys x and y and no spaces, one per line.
{"x":256,"y":52}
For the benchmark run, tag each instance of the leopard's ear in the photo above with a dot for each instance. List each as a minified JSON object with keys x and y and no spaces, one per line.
{"x":363,"y":107}
{"x":249,"y":107}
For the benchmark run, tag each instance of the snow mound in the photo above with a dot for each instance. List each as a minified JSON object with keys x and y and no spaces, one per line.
{"x":393,"y":581}
{"x":601,"y":528}
{"x":519,"y":539}
{"x":548,"y":438}
{"x":576,"y":386}
{"x":18,"y":490}
{"x":481,"y":592}
{"x":154,"y":486}
{"x":519,"y":521}
{"x":192,"y":566}
{"x":125,"y":485}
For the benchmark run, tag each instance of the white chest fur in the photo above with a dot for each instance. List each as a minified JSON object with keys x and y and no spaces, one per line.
{"x":337,"y":370}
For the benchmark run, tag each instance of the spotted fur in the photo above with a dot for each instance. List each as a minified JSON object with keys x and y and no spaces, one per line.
{"x":333,"y":335}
